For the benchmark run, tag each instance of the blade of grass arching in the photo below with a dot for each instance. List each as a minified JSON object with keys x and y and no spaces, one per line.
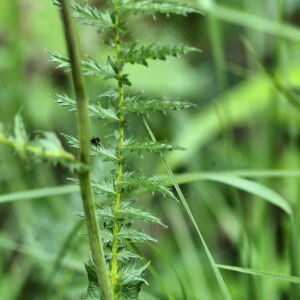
{"x":195,"y":176}
{"x":255,"y":272}
{"x":217,"y":273}
{"x":268,"y":195}
{"x":242,"y":184}
{"x":168,"y":262}
{"x":66,"y":246}
{"x":155,"y":274}
{"x":40,"y":193}
{"x":181,"y":178}
{"x":234,"y":16}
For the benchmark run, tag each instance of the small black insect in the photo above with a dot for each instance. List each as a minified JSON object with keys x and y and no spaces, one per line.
{"x":95,"y":141}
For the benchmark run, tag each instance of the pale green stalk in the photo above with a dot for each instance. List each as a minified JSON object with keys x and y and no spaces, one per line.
{"x":84,"y":156}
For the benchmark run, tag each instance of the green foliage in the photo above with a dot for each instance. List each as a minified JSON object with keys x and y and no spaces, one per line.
{"x":117,"y":215}
{"x":244,"y":93}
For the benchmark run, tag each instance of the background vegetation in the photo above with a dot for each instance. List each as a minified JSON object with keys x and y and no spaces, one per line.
{"x":246,"y":87}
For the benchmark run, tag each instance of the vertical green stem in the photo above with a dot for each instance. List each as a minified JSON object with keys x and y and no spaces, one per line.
{"x":84,"y":156}
{"x":114,"y":263}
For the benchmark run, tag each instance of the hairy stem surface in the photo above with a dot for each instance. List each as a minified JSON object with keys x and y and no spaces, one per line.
{"x":84,"y":157}
{"x":114,"y":263}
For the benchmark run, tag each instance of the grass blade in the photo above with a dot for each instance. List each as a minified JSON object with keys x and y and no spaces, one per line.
{"x":246,"y":185}
{"x":181,"y":178}
{"x":262,"y":192}
{"x":216,"y":271}
{"x":255,"y":272}
{"x":40,"y":193}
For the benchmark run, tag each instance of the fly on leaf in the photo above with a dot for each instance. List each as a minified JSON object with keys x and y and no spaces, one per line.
{"x":95,"y":141}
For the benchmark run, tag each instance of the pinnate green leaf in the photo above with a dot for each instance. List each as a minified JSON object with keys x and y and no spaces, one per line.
{"x":60,"y":60}
{"x":123,"y":255}
{"x":131,"y":213}
{"x":132,"y":275}
{"x":92,"y":16}
{"x":151,"y":146}
{"x":103,"y":187}
{"x":137,"y":105}
{"x":96,"y":150}
{"x":127,"y":214}
{"x":90,"y":67}
{"x":140,"y":54}
{"x":130,"y":181}
{"x":99,"y":187}
{"x":132,"y":235}
{"x":126,"y":235}
{"x":96,"y":111}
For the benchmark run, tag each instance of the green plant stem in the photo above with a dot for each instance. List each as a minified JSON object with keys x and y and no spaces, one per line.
{"x":84,"y":157}
{"x":114,"y":262}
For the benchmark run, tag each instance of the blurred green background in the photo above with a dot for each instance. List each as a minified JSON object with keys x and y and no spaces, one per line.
{"x":247,"y":117}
